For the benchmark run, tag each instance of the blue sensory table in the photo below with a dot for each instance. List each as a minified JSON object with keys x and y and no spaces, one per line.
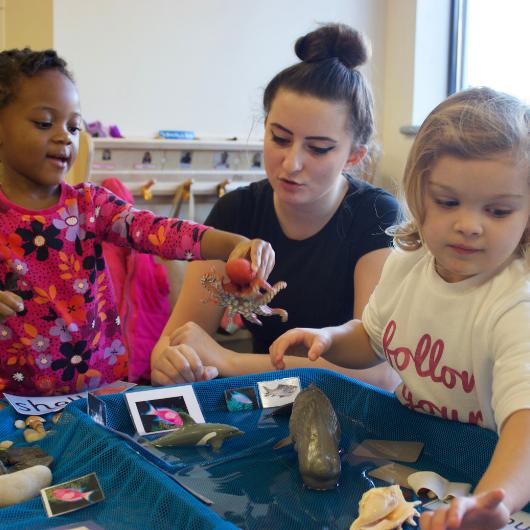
{"x":250,"y":484}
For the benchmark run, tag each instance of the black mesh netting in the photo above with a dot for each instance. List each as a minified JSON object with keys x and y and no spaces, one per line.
{"x":252,"y":486}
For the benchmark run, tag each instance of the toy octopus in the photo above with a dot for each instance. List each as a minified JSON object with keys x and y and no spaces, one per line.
{"x":244,"y":293}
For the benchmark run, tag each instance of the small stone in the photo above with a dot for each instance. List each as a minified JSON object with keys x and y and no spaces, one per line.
{"x":19,"y":424}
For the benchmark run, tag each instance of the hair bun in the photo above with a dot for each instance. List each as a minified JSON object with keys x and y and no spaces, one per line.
{"x":333,"y":41}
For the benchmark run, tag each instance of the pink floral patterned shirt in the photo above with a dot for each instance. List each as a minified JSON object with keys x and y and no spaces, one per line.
{"x":68,"y":337}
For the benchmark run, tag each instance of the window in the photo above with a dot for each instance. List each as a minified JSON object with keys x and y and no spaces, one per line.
{"x":490,"y":46}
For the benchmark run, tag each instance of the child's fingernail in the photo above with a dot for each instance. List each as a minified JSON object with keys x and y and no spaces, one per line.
{"x":20,"y":307}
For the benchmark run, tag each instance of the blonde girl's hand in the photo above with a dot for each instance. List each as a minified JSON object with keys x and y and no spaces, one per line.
{"x":259,"y":253}
{"x":483,"y":511}
{"x":10,"y":304}
{"x":316,"y":342}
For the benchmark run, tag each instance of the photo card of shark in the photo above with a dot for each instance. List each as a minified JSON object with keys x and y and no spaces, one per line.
{"x":73,"y":495}
{"x":241,"y":399}
{"x":278,"y":392}
{"x":158,"y":411}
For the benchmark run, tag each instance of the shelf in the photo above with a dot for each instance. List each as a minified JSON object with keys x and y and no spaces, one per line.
{"x":168,"y":189}
{"x":181,"y":145}
{"x":187,"y":173}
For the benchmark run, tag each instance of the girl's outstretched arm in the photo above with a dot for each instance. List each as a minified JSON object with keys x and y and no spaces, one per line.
{"x":347,"y":345}
{"x":503,"y":489}
{"x":218,"y":244}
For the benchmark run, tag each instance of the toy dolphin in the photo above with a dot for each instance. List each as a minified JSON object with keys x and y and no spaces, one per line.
{"x":192,"y":433}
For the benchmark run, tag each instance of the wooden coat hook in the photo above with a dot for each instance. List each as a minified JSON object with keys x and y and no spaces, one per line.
{"x":182,"y":193}
{"x":147,"y":191}
{"x":221,"y":187}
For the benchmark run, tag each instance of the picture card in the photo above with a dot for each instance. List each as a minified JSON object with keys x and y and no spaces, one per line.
{"x":435,"y":486}
{"x":97,"y":409}
{"x":83,"y":525}
{"x":279,"y":391}
{"x":113,"y":388}
{"x":158,"y":411}
{"x":240,"y":399}
{"x":389,"y":450}
{"x":73,"y":495}
{"x":393,"y":474}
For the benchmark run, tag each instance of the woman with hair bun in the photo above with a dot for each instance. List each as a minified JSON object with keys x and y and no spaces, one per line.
{"x":327,"y":227}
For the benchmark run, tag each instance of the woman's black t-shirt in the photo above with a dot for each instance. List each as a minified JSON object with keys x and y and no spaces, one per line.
{"x":318,"y":270}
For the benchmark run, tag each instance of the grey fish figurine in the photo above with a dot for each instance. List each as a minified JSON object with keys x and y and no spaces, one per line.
{"x":191,"y":433}
{"x":315,"y":432}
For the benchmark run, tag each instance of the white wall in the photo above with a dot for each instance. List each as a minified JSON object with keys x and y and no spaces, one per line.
{"x":198,"y":65}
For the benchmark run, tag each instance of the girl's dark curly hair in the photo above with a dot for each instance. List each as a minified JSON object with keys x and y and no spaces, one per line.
{"x":16,"y":63}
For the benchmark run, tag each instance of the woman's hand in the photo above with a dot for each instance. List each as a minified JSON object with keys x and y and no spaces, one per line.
{"x":190,"y":355}
{"x":483,"y":511}
{"x":10,"y":304}
{"x":316,"y":342}
{"x":260,"y":254}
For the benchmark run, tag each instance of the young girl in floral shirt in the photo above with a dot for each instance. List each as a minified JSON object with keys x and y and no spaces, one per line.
{"x":59,"y":325}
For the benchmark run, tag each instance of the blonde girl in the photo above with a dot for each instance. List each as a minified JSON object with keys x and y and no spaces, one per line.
{"x":451,"y":311}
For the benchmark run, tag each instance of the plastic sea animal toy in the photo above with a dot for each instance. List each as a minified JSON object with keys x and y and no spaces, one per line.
{"x":315,"y":432}
{"x":212,"y":434}
{"x":384,"y":509}
{"x":249,"y":300}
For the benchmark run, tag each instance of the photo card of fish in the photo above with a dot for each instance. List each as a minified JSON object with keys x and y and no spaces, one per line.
{"x":96,"y":409}
{"x":161,"y":410}
{"x":279,"y":391}
{"x":73,"y":495}
{"x":240,"y":399}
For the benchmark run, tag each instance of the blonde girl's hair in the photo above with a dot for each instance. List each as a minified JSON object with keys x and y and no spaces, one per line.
{"x":475,"y":124}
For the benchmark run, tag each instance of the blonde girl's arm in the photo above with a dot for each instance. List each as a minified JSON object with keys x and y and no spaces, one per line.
{"x":347,"y":345}
{"x":365,"y":278}
{"x":503,"y":489}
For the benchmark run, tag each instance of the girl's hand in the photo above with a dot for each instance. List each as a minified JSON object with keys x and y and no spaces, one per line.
{"x":316,"y":341}
{"x":484,"y":511}
{"x":179,"y":364}
{"x":260,"y":254}
{"x":10,"y":304}
{"x":188,"y":357}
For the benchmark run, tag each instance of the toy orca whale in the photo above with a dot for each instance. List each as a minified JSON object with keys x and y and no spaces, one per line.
{"x":192,"y":433}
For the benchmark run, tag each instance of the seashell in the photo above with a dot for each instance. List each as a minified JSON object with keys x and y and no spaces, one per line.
{"x":6,"y":444}
{"x":384,"y":509}
{"x":31,"y":435}
{"x":35,"y":423}
{"x":20,"y":424}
